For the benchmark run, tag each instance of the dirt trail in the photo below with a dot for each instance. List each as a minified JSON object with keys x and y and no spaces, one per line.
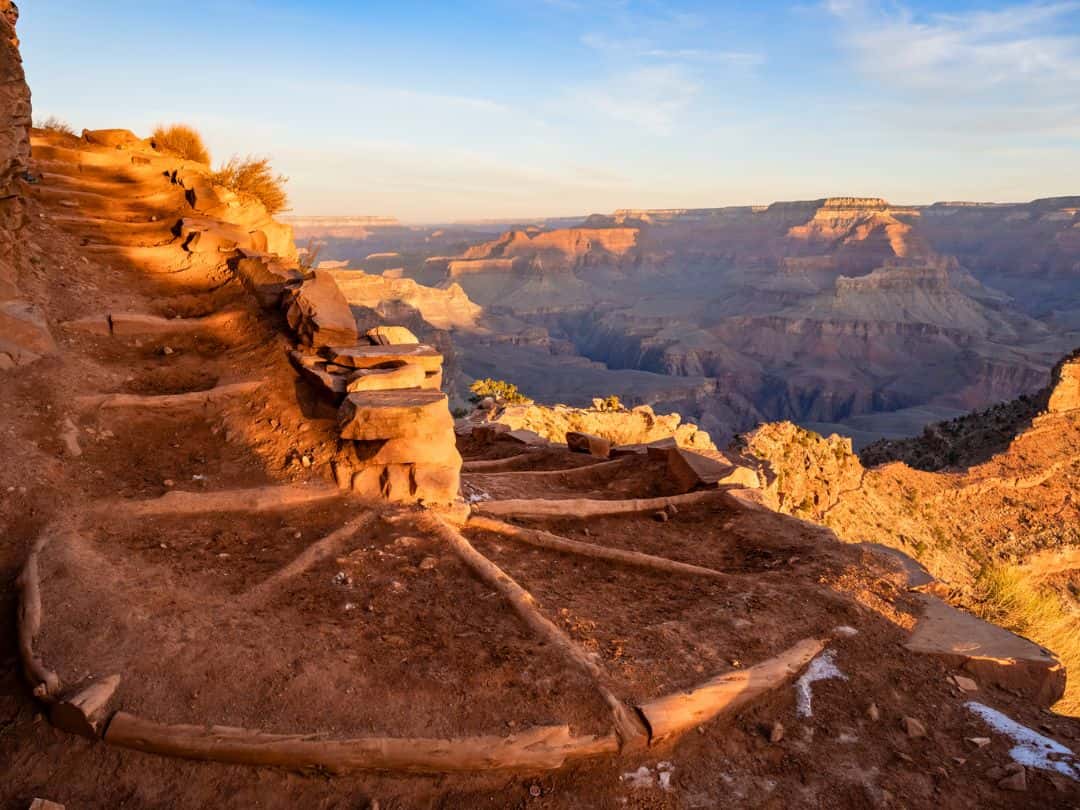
{"x":230,"y":618}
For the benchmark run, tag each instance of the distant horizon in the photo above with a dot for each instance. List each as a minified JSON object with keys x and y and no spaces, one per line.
{"x":497,"y":109}
{"x":292,"y":215}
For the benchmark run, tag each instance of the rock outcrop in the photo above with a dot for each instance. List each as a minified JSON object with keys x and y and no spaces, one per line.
{"x":24,"y":332}
{"x":563,"y":249}
{"x":448,"y":308}
{"x":1065,"y":385}
{"x":637,"y":426}
{"x":318,"y":312}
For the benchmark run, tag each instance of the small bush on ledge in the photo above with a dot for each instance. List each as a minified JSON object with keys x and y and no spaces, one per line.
{"x":54,"y":124}
{"x":183,"y":141}
{"x":253,"y":177}
{"x":499,"y":390}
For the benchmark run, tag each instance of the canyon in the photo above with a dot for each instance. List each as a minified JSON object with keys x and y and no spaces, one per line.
{"x":265,"y":543}
{"x":846,"y":314}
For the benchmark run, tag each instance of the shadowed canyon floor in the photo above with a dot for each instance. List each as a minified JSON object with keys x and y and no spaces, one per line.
{"x":611,"y":652}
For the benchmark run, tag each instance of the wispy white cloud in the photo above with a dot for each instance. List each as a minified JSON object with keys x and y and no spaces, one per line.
{"x":1010,"y":69}
{"x":1018,"y":45}
{"x":651,"y":98}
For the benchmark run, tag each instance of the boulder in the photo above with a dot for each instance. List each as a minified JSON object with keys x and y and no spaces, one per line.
{"x":391,"y":336}
{"x":386,"y":379}
{"x":24,"y":334}
{"x":587,"y":443}
{"x":319,"y":313}
{"x":115,"y":138}
{"x":373,"y":415}
{"x":385,"y":356}
{"x":991,"y":654}
{"x":525,"y":437}
{"x":265,"y":277}
{"x":705,"y":469}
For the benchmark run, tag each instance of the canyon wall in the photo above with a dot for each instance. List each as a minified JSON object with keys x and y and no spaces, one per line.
{"x":843,"y":314}
{"x":24,"y":334}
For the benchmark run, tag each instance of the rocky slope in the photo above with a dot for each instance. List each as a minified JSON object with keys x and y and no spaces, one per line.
{"x":985,"y":496}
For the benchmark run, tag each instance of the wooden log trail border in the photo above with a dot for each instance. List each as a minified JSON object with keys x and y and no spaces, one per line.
{"x":657,"y":722}
{"x":554,"y":542}
{"x":537,"y":749}
{"x":541,"y":509}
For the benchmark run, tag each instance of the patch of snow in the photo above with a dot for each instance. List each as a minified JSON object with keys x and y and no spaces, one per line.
{"x":821,"y":668}
{"x":648,"y":778}
{"x":641,"y":778}
{"x":1032,"y":749}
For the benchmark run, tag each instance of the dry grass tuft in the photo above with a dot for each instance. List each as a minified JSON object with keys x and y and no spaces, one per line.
{"x":54,"y":124}
{"x":254,"y":178}
{"x":183,"y":141}
{"x":1010,"y":597}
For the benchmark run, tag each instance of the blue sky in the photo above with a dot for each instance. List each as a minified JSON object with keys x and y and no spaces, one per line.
{"x":519,"y":108}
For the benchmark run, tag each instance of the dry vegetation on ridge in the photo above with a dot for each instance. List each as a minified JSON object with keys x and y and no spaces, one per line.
{"x":254,"y":178}
{"x":182,"y":140}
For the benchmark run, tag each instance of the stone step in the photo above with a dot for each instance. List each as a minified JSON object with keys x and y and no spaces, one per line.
{"x":991,"y":654}
{"x":99,"y":157}
{"x":110,"y":174}
{"x":170,"y":402}
{"x":385,"y":356}
{"x":139,"y":324}
{"x":169,"y":258}
{"x":132,"y":188}
{"x":377,"y":415}
{"x":166,"y":197}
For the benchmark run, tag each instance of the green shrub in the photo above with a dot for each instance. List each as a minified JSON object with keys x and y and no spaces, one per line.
{"x":253,"y":178}
{"x":499,"y":390}
{"x":183,"y":141}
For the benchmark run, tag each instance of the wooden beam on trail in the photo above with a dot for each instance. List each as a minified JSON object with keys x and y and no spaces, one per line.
{"x":536,"y":749}
{"x":85,"y":712}
{"x":672,"y":715}
{"x":257,"y":499}
{"x":631,"y":731}
{"x":569,"y":508}
{"x":554,"y":542}
{"x":44,"y":682}
{"x":311,"y":556}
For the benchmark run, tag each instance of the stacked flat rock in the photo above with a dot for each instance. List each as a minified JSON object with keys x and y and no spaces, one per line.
{"x":400,"y":446}
{"x":318,"y":313}
{"x":398,"y":441}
